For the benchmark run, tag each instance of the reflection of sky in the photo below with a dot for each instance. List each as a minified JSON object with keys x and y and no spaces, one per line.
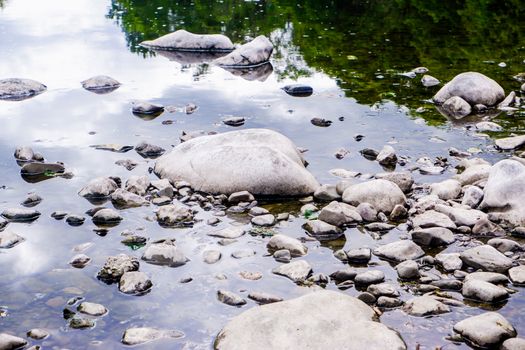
{"x":61,"y":43}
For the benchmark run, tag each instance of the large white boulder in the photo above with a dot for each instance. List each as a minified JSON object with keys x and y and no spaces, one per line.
{"x":254,"y":53}
{"x":383,"y":195}
{"x":319,"y":320}
{"x":504,"y":193}
{"x":260,"y":161}
{"x":473,"y":87}
{"x":186,"y":41}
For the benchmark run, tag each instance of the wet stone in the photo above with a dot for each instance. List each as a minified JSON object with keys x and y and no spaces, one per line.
{"x":75,"y":220}
{"x":147,"y":108}
{"x":147,"y":150}
{"x":292,"y":245}
{"x":211,"y":256}
{"x":517,"y":275}
{"x":263,"y":220}
{"x":116,"y":266}
{"x":321,"y":122}
{"x":483,"y":291}
{"x":127,"y":163}
{"x":165,"y":254}
{"x":264,"y":298}
{"x":407,"y":270}
{"x":282,"y":255}
{"x":92,"y":309}
{"x":234,"y":121}
{"x":322,"y":230}
{"x":241,"y":254}
{"x":108,"y":217}
{"x":9,"y":239}
{"x":230,"y":232}
{"x":297,"y":270}
{"x":486,"y":330}
{"x":81,"y":323}
{"x":100,"y":84}
{"x":230,"y":298}
{"x":298,"y":90}
{"x":37,"y":333}
{"x":15,"y":89}
{"x":32,"y":200}
{"x":433,"y":236}
{"x":399,"y":251}
{"x":174,"y":215}
{"x":79,"y":261}
{"x":359,"y":255}
{"x":425,"y":306}
{"x":134,"y":282}
{"x":141,"y":335}
{"x":369,"y":277}
{"x":486,"y":258}
{"x":20,"y":214}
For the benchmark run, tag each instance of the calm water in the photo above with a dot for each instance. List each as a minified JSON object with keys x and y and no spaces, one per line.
{"x":350,"y":52}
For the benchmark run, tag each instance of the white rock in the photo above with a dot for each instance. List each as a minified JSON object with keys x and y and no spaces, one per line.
{"x":230,"y":232}
{"x":433,"y":236}
{"x":294,"y":246}
{"x":19,"y":89}
{"x":165,"y":253}
{"x":449,"y":261}
{"x":100,"y":83}
{"x":432,"y":218}
{"x":488,"y":126}
{"x":510,"y":143}
{"x":387,"y":156}
{"x":399,"y":251}
{"x":383,"y":195}
{"x":486,"y":330}
{"x":297,"y":270}
{"x":429,"y":81}
{"x":456,"y":107}
{"x":472,"y":197}
{"x":403,"y":179}
{"x":186,"y":41}
{"x":483,"y":291}
{"x":10,"y":342}
{"x":517,"y":275}
{"x":425,"y":306}
{"x":254,"y":53}
{"x":505,"y":192}
{"x":460,"y":216}
{"x":309,"y":324}
{"x":141,"y":335}
{"x":9,"y":239}
{"x":134,"y":282}
{"x":92,"y":309}
{"x":445,"y":190}
{"x":260,"y":161}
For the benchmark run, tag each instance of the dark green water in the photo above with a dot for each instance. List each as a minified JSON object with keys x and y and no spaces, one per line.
{"x":350,"y":52}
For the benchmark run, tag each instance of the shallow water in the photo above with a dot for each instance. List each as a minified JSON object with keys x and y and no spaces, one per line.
{"x":61,"y":43}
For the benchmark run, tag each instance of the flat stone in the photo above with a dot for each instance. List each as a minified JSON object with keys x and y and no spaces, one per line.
{"x":491,"y":277}
{"x":486,"y":258}
{"x":486,"y":330}
{"x":264,"y":220}
{"x":460,"y":216}
{"x":147,"y":150}
{"x":298,"y":90}
{"x":40,"y":168}
{"x":449,"y":261}
{"x":517,"y":275}
{"x":483,"y":291}
{"x":399,"y":251}
{"x":211,"y":256}
{"x":186,"y":41}
{"x":514,"y":343}
{"x":327,"y":193}
{"x":432,"y":218}
{"x":445,"y":190}
{"x":297,"y":270}
{"x":254,"y":53}
{"x":165,"y":254}
{"x":107,"y":217}
{"x":79,"y":261}
{"x":425,"y":306}
{"x":403,"y":179}
{"x":20,"y":214}
{"x":100,"y":84}
{"x":429,"y":81}
{"x":126,"y":199}
{"x":407,"y":270}
{"x":433,"y":236}
{"x":456,"y":107}
{"x":264,"y":298}
{"x":360,"y":255}
{"x":339,"y":214}
{"x":309,"y":323}
{"x":383,"y":289}
{"x":141,"y":335}
{"x":510,"y":143}
{"x":15,"y":89}
{"x":101,"y":187}
{"x":230,"y":232}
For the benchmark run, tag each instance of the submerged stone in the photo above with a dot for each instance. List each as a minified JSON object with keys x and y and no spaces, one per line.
{"x":15,"y":89}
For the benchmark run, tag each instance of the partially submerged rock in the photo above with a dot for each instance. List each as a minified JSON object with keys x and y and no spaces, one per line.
{"x":11,"y":342}
{"x":185,"y":41}
{"x":298,"y":90}
{"x":20,"y":214}
{"x":474,"y":88}
{"x":143,"y":107}
{"x":38,"y":168}
{"x":487,"y":258}
{"x":9,"y":239}
{"x":297,"y":271}
{"x":165,"y":253}
{"x":260,"y":161}
{"x":134,"y":282}
{"x":175,"y":214}
{"x":100,"y":84}
{"x":399,"y":251}
{"x":383,"y":195}
{"x":116,"y":266}
{"x":456,"y":107}
{"x":487,"y":330}
{"x":101,"y":187}
{"x":309,"y":323}
{"x":254,"y":53}
{"x":141,"y":335}
{"x":294,"y":246}
{"x":19,"y":89}
{"x":425,"y":306}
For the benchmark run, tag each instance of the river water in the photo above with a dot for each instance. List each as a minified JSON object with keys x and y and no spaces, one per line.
{"x":351,"y":53}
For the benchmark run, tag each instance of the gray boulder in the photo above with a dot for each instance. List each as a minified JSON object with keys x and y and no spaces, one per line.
{"x":116,"y":266}
{"x":126,"y":199}
{"x":449,"y":261}
{"x":322,"y":230}
{"x":455,"y":107}
{"x":474,"y":88}
{"x":483,"y":291}
{"x":399,"y":251}
{"x":339,"y":214}
{"x":134,"y":282}
{"x":433,"y":236}
{"x":19,"y":89}
{"x":432,"y":218}
{"x":186,"y":41}
{"x":383,"y":195}
{"x":517,"y":275}
{"x":505,"y":192}
{"x":254,"y":53}
{"x":487,"y":330}
{"x":309,"y":324}
{"x":403,"y":179}
{"x":486,"y":258}
{"x":175,"y":214}
{"x":260,"y":161}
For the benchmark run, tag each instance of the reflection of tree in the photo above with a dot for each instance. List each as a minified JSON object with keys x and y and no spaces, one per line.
{"x":2,"y":3}
{"x":386,"y":37}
